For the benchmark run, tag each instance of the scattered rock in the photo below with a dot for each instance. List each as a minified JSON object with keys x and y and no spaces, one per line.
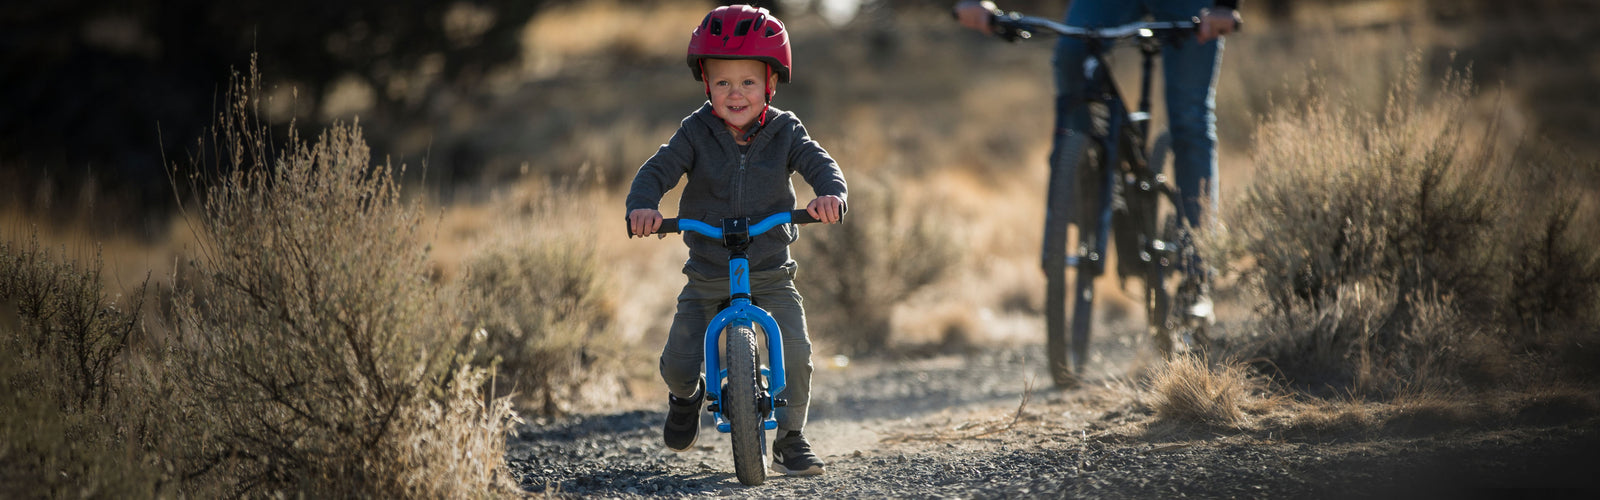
{"x":610,"y":456}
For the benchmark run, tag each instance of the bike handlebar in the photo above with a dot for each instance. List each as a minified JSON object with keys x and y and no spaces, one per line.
{"x":762,"y":224}
{"x":1012,"y":26}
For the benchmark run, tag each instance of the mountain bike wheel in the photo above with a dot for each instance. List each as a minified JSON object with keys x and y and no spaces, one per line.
{"x":1158,"y":294}
{"x":1089,"y":183}
{"x":1083,"y":298}
{"x":1059,"y":213}
{"x":741,"y":400}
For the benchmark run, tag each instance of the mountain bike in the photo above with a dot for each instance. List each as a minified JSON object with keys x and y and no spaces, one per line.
{"x":1116,"y":191}
{"x":743,"y":395}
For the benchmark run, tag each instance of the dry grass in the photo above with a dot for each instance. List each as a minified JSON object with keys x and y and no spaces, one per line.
{"x":1334,"y":416}
{"x":607,"y":29}
{"x":1406,"y":252}
{"x":1344,"y":195}
{"x":313,"y":354}
{"x":1187,"y":389}
{"x":1397,"y":254}
{"x":547,"y":279}
{"x":547,"y":319}
{"x":63,"y":315}
{"x":854,"y":273}
{"x":75,"y":418}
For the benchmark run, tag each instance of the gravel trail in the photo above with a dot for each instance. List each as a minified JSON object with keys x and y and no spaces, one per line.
{"x":957,"y":426}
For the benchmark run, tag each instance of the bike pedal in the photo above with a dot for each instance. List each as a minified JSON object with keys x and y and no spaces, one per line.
{"x":714,"y":408}
{"x":780,"y":403}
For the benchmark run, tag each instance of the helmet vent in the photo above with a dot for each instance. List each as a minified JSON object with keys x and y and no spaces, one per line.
{"x":716,"y":27}
{"x":742,"y":28}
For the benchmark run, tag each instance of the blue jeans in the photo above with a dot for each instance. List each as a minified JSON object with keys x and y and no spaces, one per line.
{"x":1189,"y":71}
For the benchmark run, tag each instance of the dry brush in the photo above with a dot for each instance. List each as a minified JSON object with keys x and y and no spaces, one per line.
{"x":315,"y":354}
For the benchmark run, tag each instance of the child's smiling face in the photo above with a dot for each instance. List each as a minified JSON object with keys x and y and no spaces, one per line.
{"x":738,"y":89}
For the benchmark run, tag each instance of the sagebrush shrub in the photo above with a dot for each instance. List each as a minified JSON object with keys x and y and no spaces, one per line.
{"x":320,"y":358}
{"x":1344,"y":197}
{"x":852,"y":274}
{"x":64,"y":316}
{"x":74,"y":416}
{"x":545,"y":318}
{"x":1397,"y":252}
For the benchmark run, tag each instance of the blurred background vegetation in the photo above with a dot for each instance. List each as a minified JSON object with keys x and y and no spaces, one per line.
{"x":1445,"y":145}
{"x":98,"y":95}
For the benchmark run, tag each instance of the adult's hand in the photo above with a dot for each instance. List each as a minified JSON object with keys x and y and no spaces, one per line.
{"x":975,"y":15}
{"x":1215,"y":23}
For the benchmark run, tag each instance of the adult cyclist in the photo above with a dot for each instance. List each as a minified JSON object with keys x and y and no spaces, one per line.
{"x":1189,"y":73}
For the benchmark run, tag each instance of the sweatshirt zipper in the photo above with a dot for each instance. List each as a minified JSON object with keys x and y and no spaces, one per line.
{"x":738,"y":200}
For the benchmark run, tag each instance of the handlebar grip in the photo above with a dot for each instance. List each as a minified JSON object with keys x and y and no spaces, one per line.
{"x":667,"y":226}
{"x":801,"y":217}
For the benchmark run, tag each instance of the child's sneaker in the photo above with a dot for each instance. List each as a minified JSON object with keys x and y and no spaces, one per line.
{"x":791,"y":455}
{"x":683,"y":419}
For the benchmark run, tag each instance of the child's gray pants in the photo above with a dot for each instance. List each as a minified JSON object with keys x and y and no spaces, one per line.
{"x":773,"y":291}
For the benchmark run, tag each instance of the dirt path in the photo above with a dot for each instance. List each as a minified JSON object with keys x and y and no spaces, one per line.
{"x":950,"y":426}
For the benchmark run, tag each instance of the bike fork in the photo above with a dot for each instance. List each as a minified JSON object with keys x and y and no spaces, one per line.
{"x":742,"y":313}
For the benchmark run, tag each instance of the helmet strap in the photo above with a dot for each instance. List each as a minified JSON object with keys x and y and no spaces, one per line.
{"x":761,"y":121}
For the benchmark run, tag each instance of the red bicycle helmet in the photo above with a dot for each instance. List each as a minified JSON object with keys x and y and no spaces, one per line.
{"x":740,"y":32}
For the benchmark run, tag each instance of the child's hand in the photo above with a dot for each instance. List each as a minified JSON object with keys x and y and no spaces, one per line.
{"x":644,"y":222}
{"x":825,"y":208}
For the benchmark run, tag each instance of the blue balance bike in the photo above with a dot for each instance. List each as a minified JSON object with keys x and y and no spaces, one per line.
{"x":742,"y":393}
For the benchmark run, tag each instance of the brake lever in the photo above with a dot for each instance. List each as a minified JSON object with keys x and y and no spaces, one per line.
{"x":1003,"y":30}
{"x":1006,"y":26}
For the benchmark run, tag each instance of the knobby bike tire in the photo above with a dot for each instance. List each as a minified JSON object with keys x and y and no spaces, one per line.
{"x":1091,"y":179}
{"x":1164,"y":325}
{"x":1158,"y":296}
{"x":1058,"y":215}
{"x":1082,"y":318}
{"x":741,"y":403}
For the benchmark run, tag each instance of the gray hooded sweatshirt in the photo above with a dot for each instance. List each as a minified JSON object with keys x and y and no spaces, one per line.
{"x":727,"y":182}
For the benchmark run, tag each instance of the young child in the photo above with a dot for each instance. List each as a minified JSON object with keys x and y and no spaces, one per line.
{"x":738,"y":153}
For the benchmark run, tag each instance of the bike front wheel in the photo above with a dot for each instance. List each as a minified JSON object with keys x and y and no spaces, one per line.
{"x":1158,"y":293}
{"x":1070,"y":202}
{"x":741,"y":402}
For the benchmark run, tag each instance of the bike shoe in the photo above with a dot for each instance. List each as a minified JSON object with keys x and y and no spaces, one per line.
{"x":1194,"y":296}
{"x":791,"y":456}
{"x":683,"y":419}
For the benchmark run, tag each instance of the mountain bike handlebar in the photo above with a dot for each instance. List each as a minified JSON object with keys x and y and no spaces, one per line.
{"x":762,"y":224}
{"x":1012,"y":26}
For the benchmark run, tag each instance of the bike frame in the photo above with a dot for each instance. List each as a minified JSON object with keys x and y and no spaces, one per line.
{"x":1101,"y":86}
{"x":741,"y":311}
{"x":1146,"y":244}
